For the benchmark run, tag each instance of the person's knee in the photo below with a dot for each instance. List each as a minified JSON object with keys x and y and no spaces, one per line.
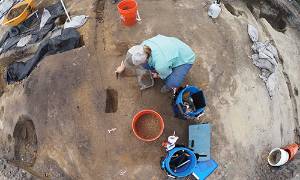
{"x":178,"y":76}
{"x":173,"y":83}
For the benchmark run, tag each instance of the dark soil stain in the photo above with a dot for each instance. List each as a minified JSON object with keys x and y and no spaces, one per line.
{"x":278,"y":23}
{"x":296,"y":91}
{"x":99,"y":10}
{"x":25,"y":141}
{"x":111,"y":101}
{"x":276,"y":16}
{"x":9,"y":138}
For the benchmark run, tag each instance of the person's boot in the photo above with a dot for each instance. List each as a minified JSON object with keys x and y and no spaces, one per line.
{"x":165,"y":89}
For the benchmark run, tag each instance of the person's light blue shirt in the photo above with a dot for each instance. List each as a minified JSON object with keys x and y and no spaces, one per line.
{"x":168,"y":53}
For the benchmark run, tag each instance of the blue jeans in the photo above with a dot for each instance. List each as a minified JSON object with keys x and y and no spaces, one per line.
{"x":176,"y":78}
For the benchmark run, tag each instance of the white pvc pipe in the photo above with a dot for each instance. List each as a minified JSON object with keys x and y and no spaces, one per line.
{"x":63,"y":4}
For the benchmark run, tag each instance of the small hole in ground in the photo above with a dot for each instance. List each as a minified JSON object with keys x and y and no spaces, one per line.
{"x":278,"y":22}
{"x":9,"y":138}
{"x":281,"y":25}
{"x":25,"y":141}
{"x":111,"y":101}
{"x":296,"y":91}
{"x":81,"y":41}
{"x":61,"y":20}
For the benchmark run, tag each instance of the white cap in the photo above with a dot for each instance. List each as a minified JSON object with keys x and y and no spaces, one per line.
{"x":138,"y":54}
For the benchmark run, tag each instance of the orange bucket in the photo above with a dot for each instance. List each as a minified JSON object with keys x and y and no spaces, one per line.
{"x":147,"y":125}
{"x":128,"y":12}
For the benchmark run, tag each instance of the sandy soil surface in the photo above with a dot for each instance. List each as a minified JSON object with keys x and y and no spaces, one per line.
{"x":72,"y":112}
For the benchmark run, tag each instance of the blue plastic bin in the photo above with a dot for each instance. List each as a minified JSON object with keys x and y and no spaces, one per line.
{"x":183,"y":171}
{"x":180,"y":110}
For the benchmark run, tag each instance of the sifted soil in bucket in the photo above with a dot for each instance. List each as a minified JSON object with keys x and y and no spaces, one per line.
{"x":16,"y":12}
{"x":275,"y":157}
{"x":148,"y":126}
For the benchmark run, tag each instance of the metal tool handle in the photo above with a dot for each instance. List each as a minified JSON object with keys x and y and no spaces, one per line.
{"x":180,"y":109}
{"x":63,"y":4}
{"x":200,"y":115}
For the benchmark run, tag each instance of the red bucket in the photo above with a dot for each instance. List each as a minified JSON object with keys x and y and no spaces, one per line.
{"x":128,"y":12}
{"x":147,"y":125}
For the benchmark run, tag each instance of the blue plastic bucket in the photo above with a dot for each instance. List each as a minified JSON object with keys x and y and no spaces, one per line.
{"x":178,"y":108}
{"x":184,"y":170}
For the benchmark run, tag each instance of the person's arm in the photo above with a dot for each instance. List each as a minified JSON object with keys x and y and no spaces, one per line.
{"x":120,"y":68}
{"x":148,"y":67}
{"x":125,"y":63}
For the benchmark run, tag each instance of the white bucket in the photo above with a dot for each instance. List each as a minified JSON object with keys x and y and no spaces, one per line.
{"x":278,"y":157}
{"x":214,"y":10}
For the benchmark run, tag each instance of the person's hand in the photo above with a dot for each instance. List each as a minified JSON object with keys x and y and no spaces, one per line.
{"x":120,"y":69}
{"x":174,"y":90}
{"x":155,"y":75}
